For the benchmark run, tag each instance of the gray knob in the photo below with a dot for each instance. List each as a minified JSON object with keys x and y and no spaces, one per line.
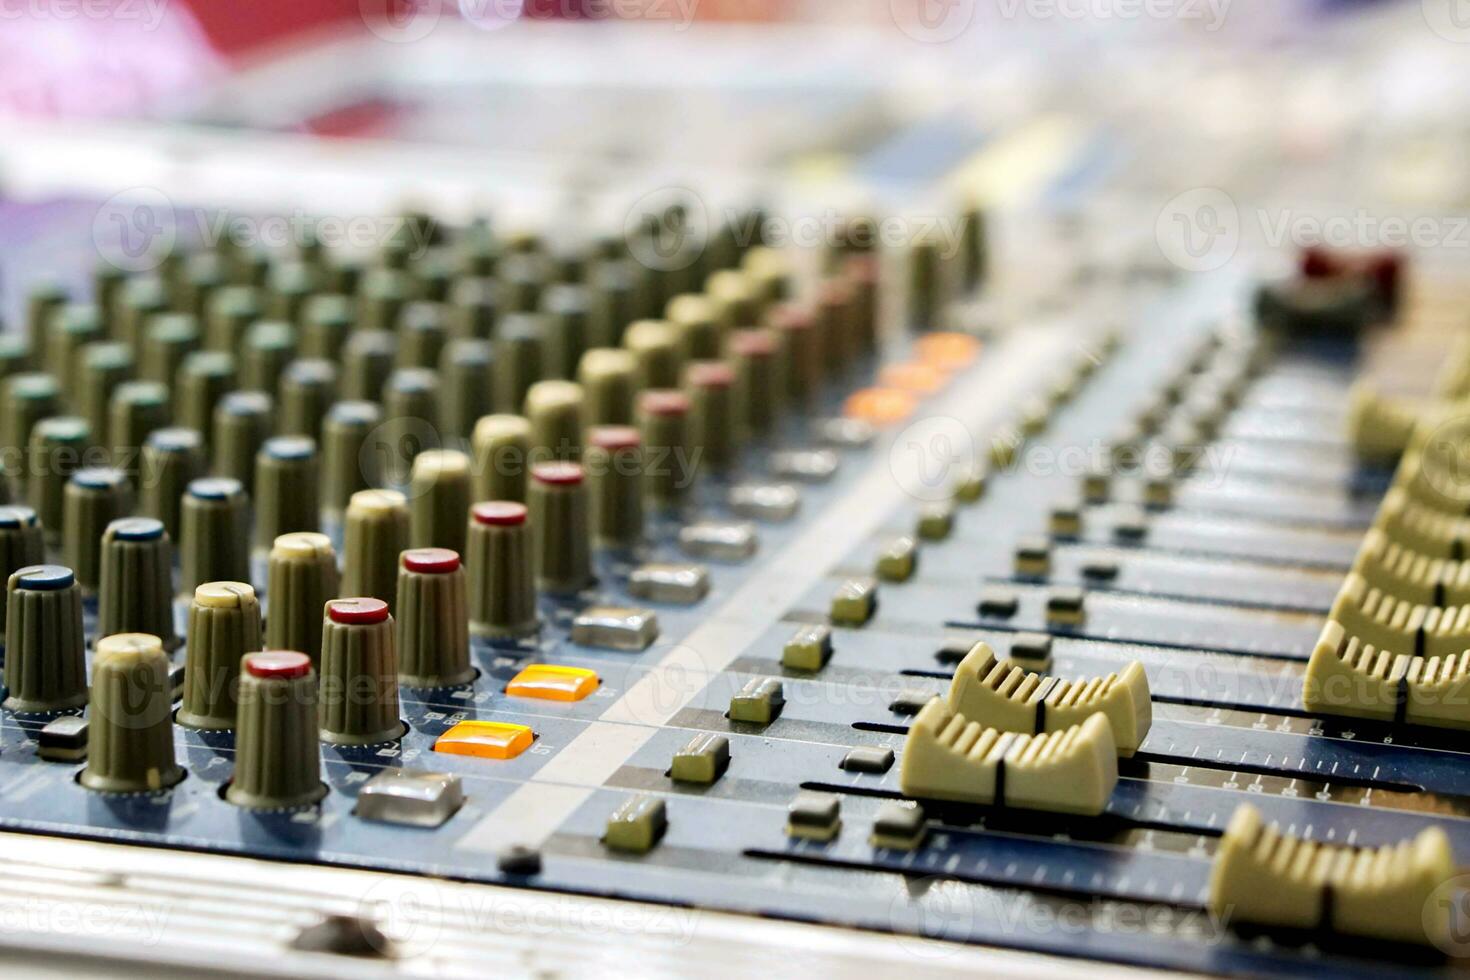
{"x":243,"y":421}
{"x":224,"y":625}
{"x":759,"y":389}
{"x":474,"y":307}
{"x":375,"y":534}
{"x":45,"y":303}
{"x":433,"y":620}
{"x":269,"y":346}
{"x":55,"y":452}
{"x":277,"y":759}
{"x":167,"y":341}
{"x":228,"y":314}
{"x":734,"y":298}
{"x":308,"y":389}
{"x":557,"y":499}
{"x":94,"y":498}
{"x":138,"y":409}
{"x":359,"y":681}
{"x":367,"y":360}
{"x":614,"y":468}
{"x":131,"y":739}
{"x":862,"y":273}
{"x":410,"y":406}
{"x":502,"y":446}
{"x":439,"y":488}
{"x":663,"y":419}
{"x":696,"y":319}
{"x":172,"y":459}
{"x":466,"y":392}
{"x":837,"y":333}
{"x":502,"y":590}
{"x":565,"y":309}
{"x":554,"y":409}
{"x":288,"y":284}
{"x":214,"y":533}
{"x":302,"y":577}
{"x":613,"y":302}
{"x":609,"y":380}
{"x":29,"y":398}
{"x":327,"y":319}
{"x":135,"y":594}
{"x":656,"y":346}
{"x":381,"y":297}
{"x":45,"y":663}
{"x":800,"y":353}
{"x":101,"y":368}
{"x":422,"y":334}
{"x":21,"y":544}
{"x":287,"y":494}
{"x":204,"y":378}
{"x":710,"y":386}
{"x":517,"y":359}
{"x":71,"y":329}
{"x":348,"y":463}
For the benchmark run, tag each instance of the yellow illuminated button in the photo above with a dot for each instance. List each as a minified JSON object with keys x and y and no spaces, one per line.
{"x":947,"y":351}
{"x":552,"y":683}
{"x":880,"y":406}
{"x":921,"y":379}
{"x":485,"y":740}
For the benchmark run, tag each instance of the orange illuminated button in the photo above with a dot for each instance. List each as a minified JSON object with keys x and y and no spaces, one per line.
{"x":552,"y":683}
{"x":485,"y":740}
{"x":922,"y":379}
{"x":880,"y":406}
{"x":947,"y":351}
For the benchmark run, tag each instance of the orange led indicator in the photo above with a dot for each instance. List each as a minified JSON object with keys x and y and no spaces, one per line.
{"x":947,"y":351}
{"x":485,"y":740}
{"x":880,"y":406}
{"x":548,"y":682}
{"x":921,"y":379}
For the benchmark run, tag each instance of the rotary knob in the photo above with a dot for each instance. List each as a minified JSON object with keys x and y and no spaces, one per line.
{"x":172,"y":458}
{"x":502,"y":445}
{"x":346,"y":467}
{"x":359,"y":681}
{"x":376,"y":533}
{"x":559,"y":528}
{"x":502,"y":591}
{"x":433,"y":622}
{"x":439,"y":485}
{"x":301,"y":578}
{"x":214,"y":533}
{"x":131,"y":739}
{"x":554,"y":409}
{"x":54,"y":452}
{"x":136,"y":590}
{"x":243,"y":421}
{"x":614,"y":468}
{"x":21,"y":544}
{"x":286,"y":488}
{"x":224,"y":625}
{"x":45,"y":662}
{"x":277,"y":760}
{"x":94,"y":498}
{"x":609,"y":380}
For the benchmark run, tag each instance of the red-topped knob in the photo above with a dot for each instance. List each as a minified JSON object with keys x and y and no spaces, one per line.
{"x":499,"y":513}
{"x":557,"y":474}
{"x":277,"y":664}
{"x":352,"y":612}
{"x":431,"y":561}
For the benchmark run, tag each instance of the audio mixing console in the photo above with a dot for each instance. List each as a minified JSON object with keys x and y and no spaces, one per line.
{"x":574,"y":568}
